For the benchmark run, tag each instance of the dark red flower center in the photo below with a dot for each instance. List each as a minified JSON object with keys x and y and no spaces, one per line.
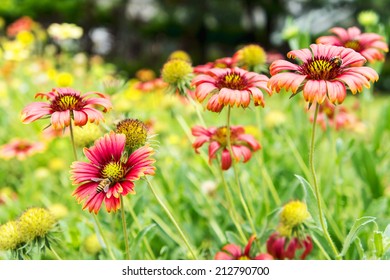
{"x":232,"y":80}
{"x":68,"y":101}
{"x":321,"y":68}
{"x":353,"y":44}
{"x":23,"y":146}
{"x":113,"y":170}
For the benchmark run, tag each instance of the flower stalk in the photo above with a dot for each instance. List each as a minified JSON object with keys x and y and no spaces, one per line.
{"x":316,"y":187}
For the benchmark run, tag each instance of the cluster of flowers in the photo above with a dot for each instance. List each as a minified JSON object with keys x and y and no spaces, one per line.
{"x":324,"y":73}
{"x":283,"y":244}
{"x":35,"y":227}
{"x":122,"y":156}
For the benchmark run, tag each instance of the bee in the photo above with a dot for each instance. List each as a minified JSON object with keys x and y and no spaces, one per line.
{"x":104,"y":184}
{"x":336,"y":60}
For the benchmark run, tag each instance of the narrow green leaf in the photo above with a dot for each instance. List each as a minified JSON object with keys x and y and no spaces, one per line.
{"x":232,"y":237}
{"x":135,"y":244}
{"x":311,"y":202}
{"x":357,"y":226}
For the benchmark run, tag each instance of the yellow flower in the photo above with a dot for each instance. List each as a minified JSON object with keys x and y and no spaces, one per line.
{"x":58,"y":210}
{"x":294,"y":214}
{"x":35,"y":223}
{"x":179,"y":54}
{"x":65,"y":31}
{"x":368,"y":18}
{"x":87,"y":134}
{"x":176,"y":70}
{"x":64,"y":79}
{"x":92,"y":244}
{"x":57,"y":164}
{"x":25,"y":37}
{"x":251,"y":56}
{"x":275,"y":119}
{"x":15,"y":51}
{"x":145,"y":75}
{"x":10,"y":237}
{"x":135,"y":131}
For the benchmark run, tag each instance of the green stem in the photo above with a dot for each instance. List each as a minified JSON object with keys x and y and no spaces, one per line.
{"x":170,"y":216}
{"x":94,"y":216}
{"x":125,"y":229}
{"x":239,"y":190}
{"x":316,"y":187}
{"x":55,"y":254}
{"x":231,"y":208}
{"x":72,"y":138}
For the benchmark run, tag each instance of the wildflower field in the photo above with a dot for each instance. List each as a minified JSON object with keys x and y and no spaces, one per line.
{"x":251,"y":156}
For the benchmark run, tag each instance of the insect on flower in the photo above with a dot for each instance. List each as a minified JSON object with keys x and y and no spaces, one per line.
{"x":336,"y":60}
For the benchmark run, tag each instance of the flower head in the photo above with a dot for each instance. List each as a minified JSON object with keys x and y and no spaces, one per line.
{"x":36,"y":223}
{"x":64,"y":104}
{"x":109,"y":173}
{"x":325,"y":73}
{"x":368,"y":18}
{"x":294,"y":213}
{"x":178,"y":74}
{"x":65,"y":31}
{"x":281,"y":247}
{"x":86,"y":135}
{"x":24,"y":23}
{"x":230,"y":87}
{"x":251,"y":57}
{"x":92,"y":244}
{"x":337,"y":117}
{"x":10,"y":236}
{"x":135,"y":131}
{"x":234,"y":252}
{"x":20,"y":149}
{"x":179,"y":54}
{"x":370,"y":45}
{"x":242,"y":144}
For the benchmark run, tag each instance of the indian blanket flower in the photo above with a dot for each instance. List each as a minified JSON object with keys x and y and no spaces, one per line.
{"x":64,"y":104}
{"x":234,"y":252}
{"x":337,"y":117}
{"x":281,"y":247}
{"x":20,"y":149}
{"x":290,"y":236}
{"x":230,"y":87}
{"x":370,"y":45}
{"x":109,"y":172}
{"x":242,"y":144}
{"x":24,"y":23}
{"x":178,"y":74}
{"x":325,"y":73}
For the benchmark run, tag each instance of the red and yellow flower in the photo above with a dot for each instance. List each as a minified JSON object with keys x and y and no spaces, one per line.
{"x":242,"y":144}
{"x":370,"y":45}
{"x":230,"y":87}
{"x":234,"y":252}
{"x":109,"y":172}
{"x":65,"y":104}
{"x":325,"y":73}
{"x":20,"y":149}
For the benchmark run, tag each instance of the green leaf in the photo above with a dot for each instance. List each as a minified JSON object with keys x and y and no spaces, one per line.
{"x":357,"y":226}
{"x":233,"y":238}
{"x":311,"y":202}
{"x":136,"y":243}
{"x":365,"y":163}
